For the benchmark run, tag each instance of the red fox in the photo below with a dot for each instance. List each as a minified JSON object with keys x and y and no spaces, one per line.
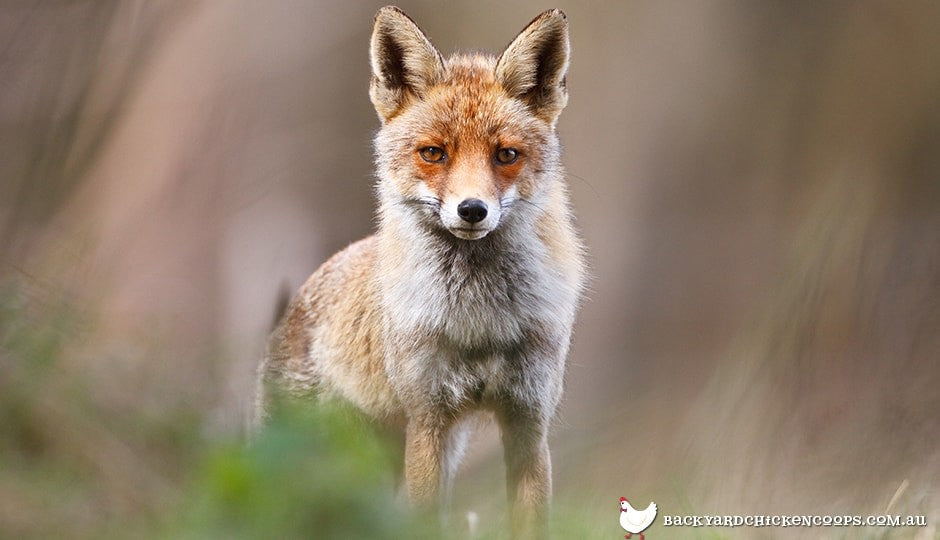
{"x":464,"y":300}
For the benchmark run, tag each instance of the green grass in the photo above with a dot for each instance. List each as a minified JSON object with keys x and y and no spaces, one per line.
{"x":314,"y":471}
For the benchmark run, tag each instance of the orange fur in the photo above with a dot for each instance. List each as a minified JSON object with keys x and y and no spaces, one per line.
{"x":440,"y":315}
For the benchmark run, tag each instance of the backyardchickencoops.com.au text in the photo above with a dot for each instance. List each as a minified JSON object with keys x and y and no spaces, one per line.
{"x":795,"y":521}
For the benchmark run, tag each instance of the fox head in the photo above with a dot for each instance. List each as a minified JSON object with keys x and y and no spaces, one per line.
{"x":468,"y":140}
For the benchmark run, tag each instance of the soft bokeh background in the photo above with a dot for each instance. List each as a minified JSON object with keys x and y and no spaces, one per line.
{"x":758,"y":184}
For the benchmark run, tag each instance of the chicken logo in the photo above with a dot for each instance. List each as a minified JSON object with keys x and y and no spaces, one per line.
{"x":636,"y":521}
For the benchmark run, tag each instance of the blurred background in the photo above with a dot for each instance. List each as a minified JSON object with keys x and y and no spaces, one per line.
{"x":758,"y":184}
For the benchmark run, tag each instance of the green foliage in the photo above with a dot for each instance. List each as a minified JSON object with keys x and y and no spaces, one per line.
{"x":313,"y":471}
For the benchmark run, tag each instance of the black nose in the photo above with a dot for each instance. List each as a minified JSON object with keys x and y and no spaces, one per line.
{"x":472,"y":210}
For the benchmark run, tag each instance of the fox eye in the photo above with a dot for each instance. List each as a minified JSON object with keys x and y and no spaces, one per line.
{"x":432,"y":154}
{"x":507,"y":156}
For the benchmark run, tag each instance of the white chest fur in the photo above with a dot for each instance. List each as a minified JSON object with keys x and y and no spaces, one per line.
{"x":480,"y":296}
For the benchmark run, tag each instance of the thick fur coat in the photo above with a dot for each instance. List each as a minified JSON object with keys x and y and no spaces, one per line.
{"x":444,"y":313}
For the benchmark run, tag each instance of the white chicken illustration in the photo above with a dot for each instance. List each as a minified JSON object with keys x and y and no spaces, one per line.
{"x":636,"y":521}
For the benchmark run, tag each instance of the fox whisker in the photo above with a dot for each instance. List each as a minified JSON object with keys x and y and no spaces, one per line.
{"x":429,"y":202}
{"x":530,"y":203}
{"x":507,"y":202}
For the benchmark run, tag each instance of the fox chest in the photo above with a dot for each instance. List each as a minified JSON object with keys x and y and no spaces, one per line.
{"x":479,"y":306}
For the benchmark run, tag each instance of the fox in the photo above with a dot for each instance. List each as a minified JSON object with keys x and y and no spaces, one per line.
{"x":462,"y":303}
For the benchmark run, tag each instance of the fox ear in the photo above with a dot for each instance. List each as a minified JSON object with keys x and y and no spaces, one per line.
{"x":534,"y":65}
{"x":404,"y":63}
